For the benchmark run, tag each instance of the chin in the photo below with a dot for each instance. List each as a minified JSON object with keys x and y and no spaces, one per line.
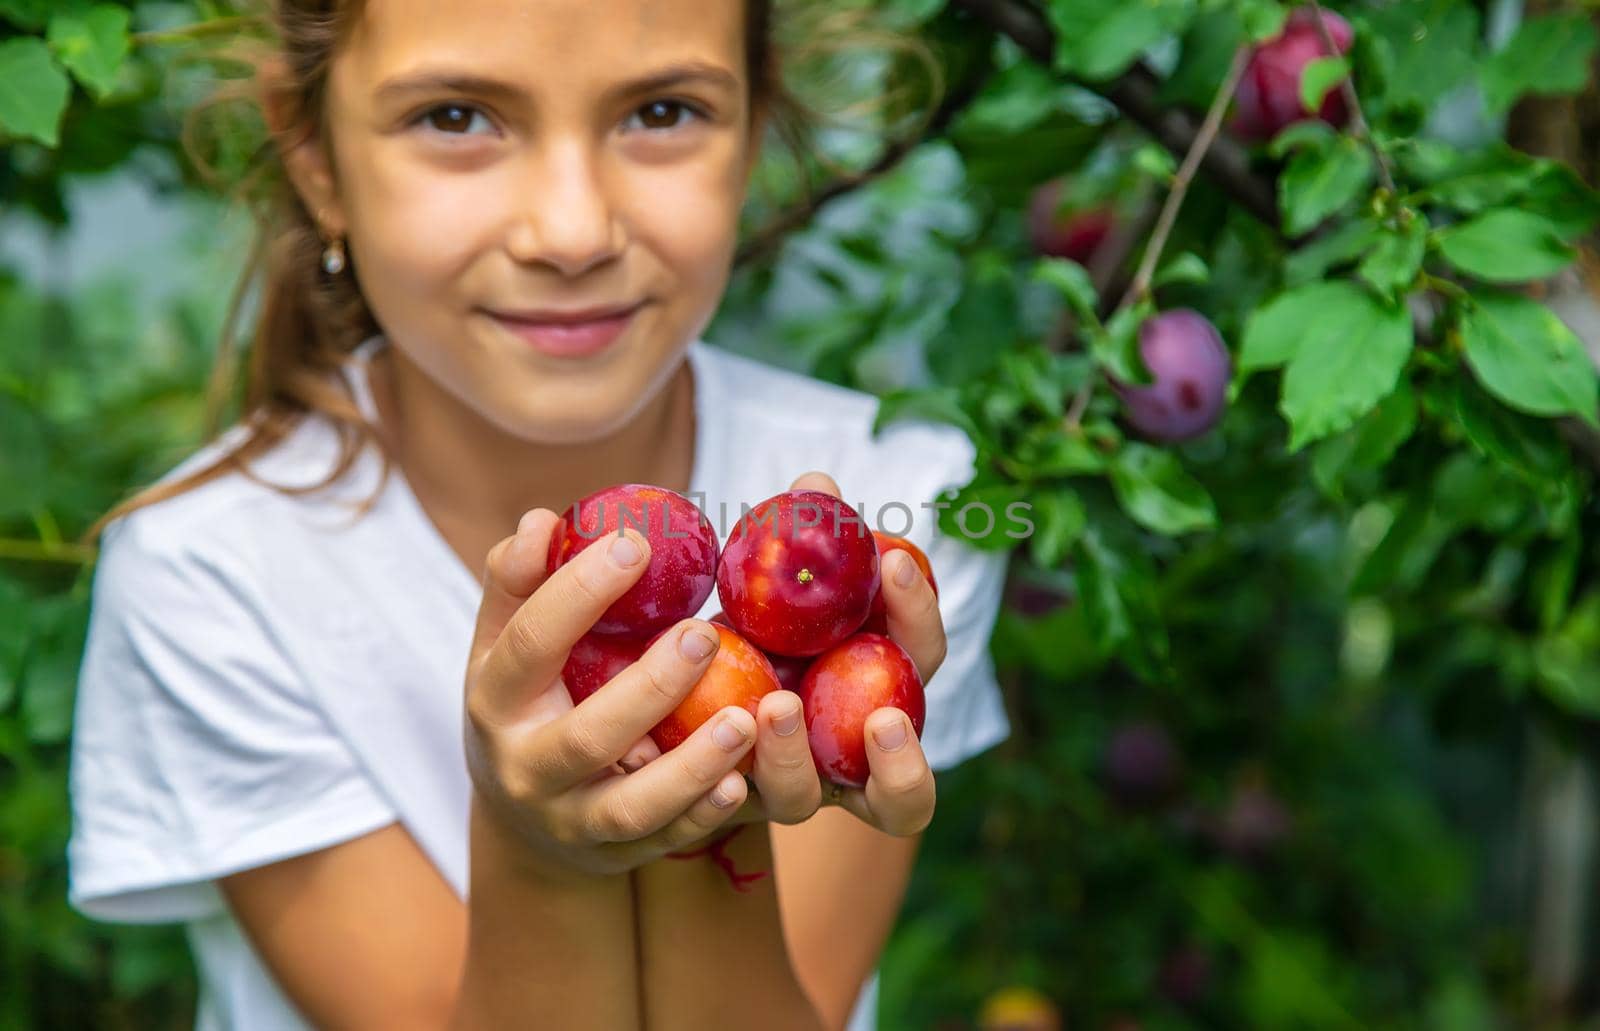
{"x":562,"y":422}
{"x":579,"y":402}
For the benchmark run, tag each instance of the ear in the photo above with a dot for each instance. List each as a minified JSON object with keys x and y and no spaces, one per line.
{"x":300,"y":147}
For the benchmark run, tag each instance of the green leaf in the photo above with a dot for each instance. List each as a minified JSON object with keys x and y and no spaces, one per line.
{"x":28,"y":14}
{"x":33,"y":91}
{"x":1551,"y":54}
{"x":1116,"y":347}
{"x":1568,"y":672}
{"x":1320,"y":75}
{"x":1034,"y":376}
{"x":1061,"y":519}
{"x":1349,"y":357}
{"x":1527,"y":357}
{"x":1155,"y":161}
{"x":1117,"y":591}
{"x":979,"y":325}
{"x":1393,"y":264}
{"x":1553,"y":579}
{"x":47,"y":694}
{"x":92,"y":44}
{"x":1185,"y":268}
{"x":985,"y":515}
{"x":1525,"y":445}
{"x":1474,"y":191}
{"x":1561,"y":196}
{"x":1569,"y":675}
{"x":1277,"y":329}
{"x":1470,"y":492}
{"x":1407,"y":550}
{"x":1434,"y":46}
{"x":1158,"y":493}
{"x":1369,"y":444}
{"x":1306,"y":134}
{"x":1345,"y":242}
{"x":1505,"y":246}
{"x":1054,"y":452}
{"x":1318,"y":183}
{"x":1072,"y":281}
{"x":1206,"y":51}
{"x":941,"y":404}
{"x":1099,"y":39}
{"x":1262,"y":19}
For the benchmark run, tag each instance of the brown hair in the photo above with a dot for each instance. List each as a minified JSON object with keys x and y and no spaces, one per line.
{"x":308,"y":321}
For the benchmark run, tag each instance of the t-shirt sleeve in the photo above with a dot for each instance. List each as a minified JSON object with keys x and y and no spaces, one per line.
{"x":966,"y":713}
{"x":197,"y":749}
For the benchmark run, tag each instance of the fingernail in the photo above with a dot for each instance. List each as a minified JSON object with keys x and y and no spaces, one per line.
{"x":720,"y":797}
{"x":905,"y":570}
{"x":788,"y":723}
{"x":631,"y":763}
{"x":695,"y":645}
{"x":525,"y":524}
{"x":727,"y":734}
{"x":891,"y":737}
{"x":624,"y":552}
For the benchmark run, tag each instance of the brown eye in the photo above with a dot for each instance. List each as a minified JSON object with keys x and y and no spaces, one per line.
{"x":456,"y":119}
{"x":661,"y":115}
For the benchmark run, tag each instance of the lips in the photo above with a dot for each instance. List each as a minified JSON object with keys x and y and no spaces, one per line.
{"x":569,"y":334}
{"x":569,"y":316}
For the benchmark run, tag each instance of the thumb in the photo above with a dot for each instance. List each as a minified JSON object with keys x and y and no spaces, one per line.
{"x":815,"y":480}
{"x":513,"y":571}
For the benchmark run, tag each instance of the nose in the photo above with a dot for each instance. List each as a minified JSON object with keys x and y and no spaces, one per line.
{"x":566,"y":218}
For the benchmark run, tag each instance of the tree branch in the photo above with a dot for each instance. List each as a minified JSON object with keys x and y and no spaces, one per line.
{"x":1203,"y":141}
{"x":1358,"y":117}
{"x":43,"y":551}
{"x":1136,"y":94}
{"x":770,"y":236}
{"x":1169,"y":214}
{"x":198,"y":30}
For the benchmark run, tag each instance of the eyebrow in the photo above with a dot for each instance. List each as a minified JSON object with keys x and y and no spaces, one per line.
{"x":451,"y":80}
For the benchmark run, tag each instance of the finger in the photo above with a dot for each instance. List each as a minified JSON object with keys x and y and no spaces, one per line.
{"x":642,"y":803}
{"x":714,"y":810}
{"x":533,"y":646}
{"x":610,"y":722}
{"x":785,"y":774}
{"x":900,"y":791}
{"x":913,"y":612}
{"x":644,"y":750}
{"x":817,"y":481}
{"x":513,"y":571}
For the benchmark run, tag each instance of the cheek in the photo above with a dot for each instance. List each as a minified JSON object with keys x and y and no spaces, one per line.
{"x":688,"y":216}
{"x":420,"y":227}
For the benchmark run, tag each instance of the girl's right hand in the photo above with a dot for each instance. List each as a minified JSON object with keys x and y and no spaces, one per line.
{"x":546,"y":770}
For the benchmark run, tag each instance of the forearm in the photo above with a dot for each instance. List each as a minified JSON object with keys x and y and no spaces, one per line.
{"x":542,"y":944}
{"x":713,"y":956}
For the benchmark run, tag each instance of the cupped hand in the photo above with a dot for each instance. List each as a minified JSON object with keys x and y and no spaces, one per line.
{"x":546,"y":769}
{"x":899,"y":795}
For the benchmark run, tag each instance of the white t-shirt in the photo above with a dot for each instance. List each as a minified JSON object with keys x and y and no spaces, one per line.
{"x":266,"y":675}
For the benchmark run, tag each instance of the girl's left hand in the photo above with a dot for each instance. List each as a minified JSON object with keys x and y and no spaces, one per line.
{"x":899,"y":795}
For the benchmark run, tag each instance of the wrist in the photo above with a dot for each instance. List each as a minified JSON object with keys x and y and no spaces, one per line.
{"x":718,"y":849}
{"x":498,"y":849}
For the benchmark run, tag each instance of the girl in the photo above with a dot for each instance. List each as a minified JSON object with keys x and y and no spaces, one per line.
{"x":308,"y":729}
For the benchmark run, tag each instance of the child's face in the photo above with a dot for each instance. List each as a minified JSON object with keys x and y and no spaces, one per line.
{"x":558,"y":181}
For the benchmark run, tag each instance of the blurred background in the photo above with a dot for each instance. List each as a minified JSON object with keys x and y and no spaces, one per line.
{"x":1304,"y":699}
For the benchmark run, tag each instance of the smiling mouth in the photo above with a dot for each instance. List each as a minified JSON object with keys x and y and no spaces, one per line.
{"x":576,"y":334}
{"x":570,"y":317}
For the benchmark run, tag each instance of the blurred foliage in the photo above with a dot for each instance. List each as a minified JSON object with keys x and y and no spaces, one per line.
{"x":1272,"y":690}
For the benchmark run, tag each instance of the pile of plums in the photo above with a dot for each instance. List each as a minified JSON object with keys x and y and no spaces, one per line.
{"x":802,"y":609}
